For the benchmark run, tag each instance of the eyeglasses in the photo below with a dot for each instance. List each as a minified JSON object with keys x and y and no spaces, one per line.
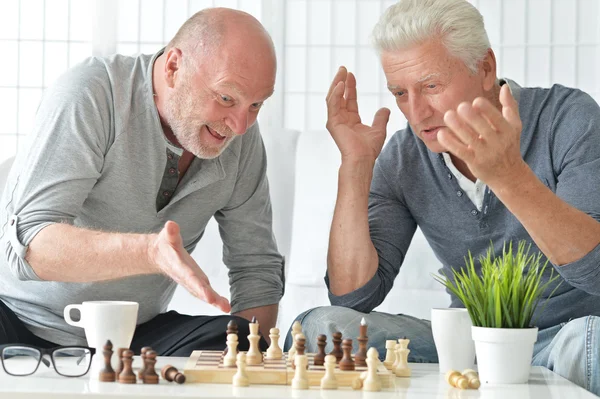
{"x":68,"y":361}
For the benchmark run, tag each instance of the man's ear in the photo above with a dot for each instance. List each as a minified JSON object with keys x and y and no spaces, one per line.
{"x":487,"y":69}
{"x":173,"y":63}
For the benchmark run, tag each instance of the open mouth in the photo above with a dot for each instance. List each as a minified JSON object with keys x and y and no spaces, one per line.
{"x":215,"y":134}
{"x":431,"y":132}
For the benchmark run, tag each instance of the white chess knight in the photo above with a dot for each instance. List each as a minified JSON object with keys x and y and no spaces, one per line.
{"x":232,"y":343}
{"x":254,"y":355}
{"x":240,"y":379}
{"x":329,"y":380}
{"x":401,"y":368}
{"x":300,"y":380}
{"x":372,"y":382}
{"x":274,"y":351}
{"x":296,"y":329}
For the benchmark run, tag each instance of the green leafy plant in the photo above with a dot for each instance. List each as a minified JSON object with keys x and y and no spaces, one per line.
{"x":506,"y":292}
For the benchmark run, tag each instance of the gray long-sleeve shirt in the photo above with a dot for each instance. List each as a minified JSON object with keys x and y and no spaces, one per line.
{"x":413,"y":186}
{"x":99,"y":159}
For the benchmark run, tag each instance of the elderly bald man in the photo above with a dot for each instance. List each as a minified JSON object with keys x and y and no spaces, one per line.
{"x":131,"y":157}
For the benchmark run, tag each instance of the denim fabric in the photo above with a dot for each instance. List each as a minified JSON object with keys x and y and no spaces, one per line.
{"x":572,"y":351}
{"x":569,"y":349}
{"x":381,"y":326}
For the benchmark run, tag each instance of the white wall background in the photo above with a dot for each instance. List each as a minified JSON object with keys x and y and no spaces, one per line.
{"x":537,"y":43}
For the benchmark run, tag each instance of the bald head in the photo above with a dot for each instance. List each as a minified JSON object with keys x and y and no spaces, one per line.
{"x":213,"y":28}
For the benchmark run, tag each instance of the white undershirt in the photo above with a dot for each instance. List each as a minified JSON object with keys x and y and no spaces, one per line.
{"x":475,"y":191}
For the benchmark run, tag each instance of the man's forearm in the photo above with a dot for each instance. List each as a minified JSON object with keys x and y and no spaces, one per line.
{"x":352,"y":259}
{"x":266,"y":317}
{"x":562,"y":232}
{"x":62,"y":252}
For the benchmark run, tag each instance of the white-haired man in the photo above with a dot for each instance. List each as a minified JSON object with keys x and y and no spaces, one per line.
{"x":481,"y":160}
{"x":131,"y":157}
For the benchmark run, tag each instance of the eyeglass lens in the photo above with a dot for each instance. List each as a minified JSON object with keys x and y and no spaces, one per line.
{"x":20,"y":360}
{"x":72,"y":362}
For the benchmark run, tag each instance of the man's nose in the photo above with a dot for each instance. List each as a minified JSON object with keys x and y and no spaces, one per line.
{"x":419,"y":110}
{"x":238,"y":121}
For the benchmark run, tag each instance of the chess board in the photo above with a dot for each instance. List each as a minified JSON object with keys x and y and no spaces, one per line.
{"x":207,"y":367}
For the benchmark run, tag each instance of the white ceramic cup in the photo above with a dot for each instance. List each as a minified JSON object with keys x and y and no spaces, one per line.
{"x":105,"y":320}
{"x":451,"y":329}
{"x":102,"y":321}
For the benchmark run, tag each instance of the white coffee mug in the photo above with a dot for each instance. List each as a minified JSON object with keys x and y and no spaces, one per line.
{"x":451,"y":329}
{"x":105,"y":320}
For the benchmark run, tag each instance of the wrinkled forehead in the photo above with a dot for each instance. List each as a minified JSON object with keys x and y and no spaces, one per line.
{"x":419,"y":64}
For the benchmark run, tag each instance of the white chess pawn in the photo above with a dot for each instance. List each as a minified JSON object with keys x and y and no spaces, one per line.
{"x":296,"y":329}
{"x":300,"y":380}
{"x":390,"y":355}
{"x":372,"y":381}
{"x":329,"y":380}
{"x":240,"y":379}
{"x":254,"y":355}
{"x":232,"y":343}
{"x":274,"y":351}
{"x":402,"y":351}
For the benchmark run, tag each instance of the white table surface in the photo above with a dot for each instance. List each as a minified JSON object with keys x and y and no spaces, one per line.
{"x":426,"y":382}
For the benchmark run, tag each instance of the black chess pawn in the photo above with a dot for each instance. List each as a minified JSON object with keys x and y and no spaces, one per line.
{"x":300,"y":348}
{"x":232,"y":328}
{"x":319,"y":359}
{"x":170,"y":373}
{"x":120,"y":357}
{"x":150,"y":376}
{"x":107,"y":374}
{"x":142,"y":369}
{"x":347,"y":364}
{"x":127,"y":376}
{"x":337,"y":349}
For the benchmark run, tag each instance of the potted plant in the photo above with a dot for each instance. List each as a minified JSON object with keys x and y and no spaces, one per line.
{"x":501,"y":297}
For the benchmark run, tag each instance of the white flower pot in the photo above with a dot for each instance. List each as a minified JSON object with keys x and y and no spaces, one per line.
{"x":504,"y":354}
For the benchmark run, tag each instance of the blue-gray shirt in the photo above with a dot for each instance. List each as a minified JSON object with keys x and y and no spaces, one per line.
{"x":99,"y":160}
{"x":412,"y":187}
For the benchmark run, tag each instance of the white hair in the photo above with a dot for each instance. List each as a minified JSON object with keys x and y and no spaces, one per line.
{"x":456,"y":22}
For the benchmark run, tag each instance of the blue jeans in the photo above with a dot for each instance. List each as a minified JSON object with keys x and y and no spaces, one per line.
{"x":569,"y":349}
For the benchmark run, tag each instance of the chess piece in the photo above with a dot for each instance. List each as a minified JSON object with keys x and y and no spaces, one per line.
{"x":240,"y":379}
{"x":402,"y":351}
{"x":372,"y":382}
{"x":300,"y":380}
{"x":107,"y":374}
{"x":361,"y":354}
{"x":274,"y":351}
{"x":337,"y":349}
{"x":390,"y":355}
{"x":171,"y":374}
{"x":127,"y":376}
{"x":254,"y":355}
{"x":232,"y":328}
{"x":149,"y":376}
{"x":319,"y":359}
{"x":346,"y":363}
{"x":296,"y":329}
{"x":300,"y":348}
{"x":456,"y":379}
{"x":143,"y":356}
{"x":472,"y":377}
{"x":120,"y":357}
{"x":329,"y":380}
{"x":232,"y":343}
